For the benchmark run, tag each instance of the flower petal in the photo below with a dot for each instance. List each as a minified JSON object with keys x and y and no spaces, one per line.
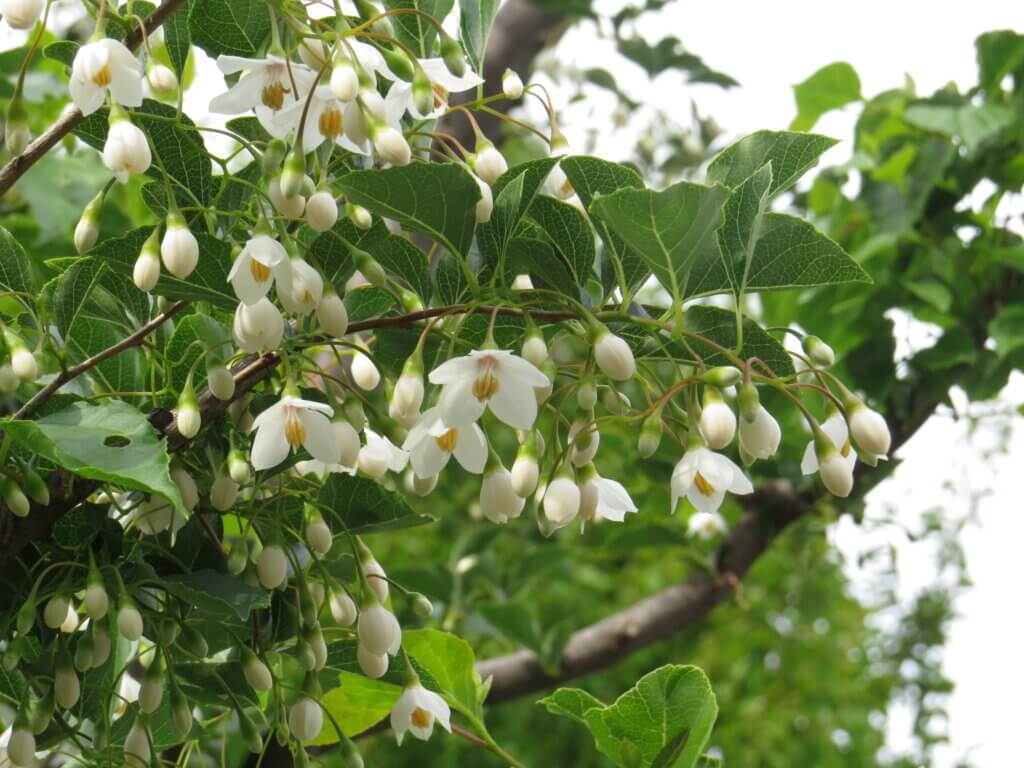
{"x":319,"y":440}
{"x":87,"y":96}
{"x":454,"y":369}
{"x":270,"y":446}
{"x":523,"y":370}
{"x":459,"y":406}
{"x":427,"y":458}
{"x":126,"y":88}
{"x":471,"y":449}
{"x":241,"y":97}
{"x":514,"y":402}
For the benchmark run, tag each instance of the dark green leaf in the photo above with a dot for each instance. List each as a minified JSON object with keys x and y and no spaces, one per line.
{"x":236,"y":27}
{"x":14,"y":265}
{"x":63,"y":51}
{"x":217,"y":593}
{"x":360,"y":505}
{"x":178,"y":40}
{"x":414,"y":30}
{"x":569,"y":232}
{"x":476,"y":19}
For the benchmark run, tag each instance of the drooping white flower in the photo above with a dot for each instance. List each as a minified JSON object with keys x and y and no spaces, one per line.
{"x":272,"y":566}
{"x":258,"y":327}
{"x":498,"y":500}
{"x":431,"y":443}
{"x":704,"y":525}
{"x":261,"y":260}
{"x":162,"y":79}
{"x":380,"y":455}
{"x":760,"y":438}
{"x":106,"y":65}
{"x":400,"y":99}
{"x":489,"y":163}
{"x":301,"y":292}
{"x":511,"y":85}
{"x":378,"y":629}
{"x":332,"y":314}
{"x":326,"y":120}
{"x":288,"y":424}
{"x":179,"y":248}
{"x":21,"y":14}
{"x":602,"y":497}
{"x":489,"y":378}
{"x":416,"y":711}
{"x":561,"y":502}
{"x":584,"y":440}
{"x":703,"y":477}
{"x":407,"y":397}
{"x":266,"y":86}
{"x":364,"y":372}
{"x":305,"y":719}
{"x":836,"y":429}
{"x":869,"y":431}
{"x":126,"y":150}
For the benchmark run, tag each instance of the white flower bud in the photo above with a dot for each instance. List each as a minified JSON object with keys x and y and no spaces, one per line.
{"x":332,"y":315}
{"x":87,"y":231}
{"x":257,"y":674}
{"x":129,"y":622}
{"x":8,"y":379}
{"x":151,"y":693}
{"x":870,"y":431}
{"x":186,"y":486}
{"x":378,"y":629}
{"x":238,"y":467}
{"x":289,"y":207}
{"x":343,"y":609}
{"x":535,"y":350}
{"x":360,"y":217}
{"x":223,"y":493}
{"x":760,"y":438}
{"x":147,"y":271}
{"x":406,"y":399}
{"x":136,"y":747}
{"x":96,"y":601}
{"x":364,"y":372}
{"x":485,"y":205}
{"x":321,"y":211}
{"x":24,"y":364}
{"x":561,"y":500}
{"x":344,"y":80}
{"x":586,"y":396}
{"x":522,"y":283}
{"x":162,"y":79}
{"x":392,"y":146}
{"x":511,"y":85}
{"x":21,"y":14}
{"x":584,"y":439}
{"x":126,"y":151}
{"x":220,"y":382}
{"x":101,"y":644}
{"x":66,"y":688}
{"x":490,"y":164}
{"x":179,"y":248}
{"x":818,"y":351}
{"x":55,"y":611}
{"x":16,"y":135}
{"x":717,"y":424}
{"x":272,"y":567}
{"x":258,"y":326}
{"x":498,"y":499}
{"x":188,"y":419}
{"x":376,"y":578}
{"x":525,"y":475}
{"x":319,"y":537}
{"x":374,"y":665}
{"x":614,"y":357}
{"x":21,"y":749}
{"x":836,"y":474}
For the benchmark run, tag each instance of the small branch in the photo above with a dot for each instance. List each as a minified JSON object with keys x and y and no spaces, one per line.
{"x":47,"y":140}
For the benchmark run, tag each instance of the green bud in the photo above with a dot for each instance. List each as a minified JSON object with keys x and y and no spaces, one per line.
{"x":650,"y":435}
{"x":181,"y":712}
{"x":370,"y":269}
{"x":14,"y":497}
{"x":818,"y":351}
{"x":750,"y":402}
{"x":304,"y":654}
{"x":35,"y":486}
{"x":451,"y":53}
{"x":238,"y":556}
{"x":273,"y":155}
{"x":168,"y":631}
{"x":586,"y":396}
{"x":27,"y":615}
{"x":410,"y":301}
{"x":421,"y":606}
{"x":16,"y":128}
{"x":42,"y":712}
{"x":368,"y":11}
{"x":249,"y":731}
{"x":399,"y":64}
{"x":354,"y":413}
{"x":193,"y":641}
{"x":422,"y":92}
{"x":294,"y":172}
{"x":722,"y":376}
{"x":307,"y":607}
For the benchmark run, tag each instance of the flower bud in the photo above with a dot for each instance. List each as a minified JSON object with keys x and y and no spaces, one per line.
{"x":96,"y":602}
{"x":561,"y":501}
{"x":584,"y":439}
{"x":321,"y":211}
{"x":485,"y":205}
{"x":722,"y":376}
{"x":8,"y":380}
{"x":613,"y":356}
{"x":23,"y":363}
{"x":422,"y":92}
{"x":223,"y":493}
{"x":378,"y":629}
{"x":319,"y":536}
{"x":836,"y":472}
{"x":181,"y":713}
{"x":305,"y":719}
{"x":15,"y":499}
{"x":332,"y":314}
{"x":376,"y":578}
{"x":717,"y":420}
{"x":390,"y":144}
{"x":220,"y":382}
{"x":42,"y":714}
{"x":21,"y":748}
{"x":129,"y":621}
{"x":650,"y":435}
{"x":289,"y":207}
{"x":451,"y":54}
{"x":360,"y":217}
{"x":347,"y":439}
{"x":272,"y":567}
{"x":35,"y":486}
{"x":525,"y":472}
{"x":21,"y":14}
{"x":760,"y":437}
{"x":343,"y":609}
{"x":293,"y":173}
{"x":136,"y":746}
{"x":188,"y":418}
{"x":83,"y":653}
{"x":179,"y":248}
{"x":373,"y":665}
{"x":101,"y":644}
{"x":511,"y":85}
{"x":26,"y":615}
{"x":499,"y":501}
{"x":408,"y":395}
{"x":151,"y":693}
{"x":421,"y":605}
{"x":535,"y":350}
{"x":87,"y":231}
{"x":193,"y":641}
{"x":257,"y":674}
{"x":56,"y":611}
{"x":16,"y":131}
{"x":818,"y":351}
{"x":370,"y":269}
{"x":344,"y":79}
{"x":489,"y":163}
{"x":67,"y":690}
{"x":364,"y":372}
{"x":162,"y":80}
{"x":238,"y":467}
{"x":126,"y":150}
{"x":869,"y":429}
{"x":586,"y":396}
{"x":250,"y":733}
{"x":147,"y":266}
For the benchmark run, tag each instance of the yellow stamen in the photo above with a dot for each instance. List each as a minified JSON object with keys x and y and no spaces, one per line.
{"x":845,"y":450}
{"x":273,"y":95}
{"x":446,"y":442}
{"x":103,"y":77}
{"x":330,"y":123}
{"x":703,"y":485}
{"x":440,"y":96}
{"x":307,"y":298}
{"x":260,"y":272}
{"x":421,"y":718}
{"x":485,"y":387}
{"x":294,"y":431}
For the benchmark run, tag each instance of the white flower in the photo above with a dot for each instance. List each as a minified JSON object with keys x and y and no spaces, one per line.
{"x":343,"y":609}
{"x":380,"y":455}
{"x":126,"y":151}
{"x":332,"y":315}
{"x":614,"y":357}
{"x":258,"y":326}
{"x":511,"y":85}
{"x":400,"y":98}
{"x":431,"y":443}
{"x":557,"y":184}
{"x":24,"y":364}
{"x":300,"y":293}
{"x":261,"y":260}
{"x":223,"y":493}
{"x":836,"y":430}
{"x":525,"y":475}
{"x":489,"y":164}
{"x":265,"y":86}
{"x":416,"y":711}
{"x":102,"y":66}
{"x":289,"y":207}
{"x":379,"y":631}
{"x":704,"y":477}
{"x":326,"y":120}
{"x":760,"y":437}
{"x":717,"y":423}
{"x":321,"y":211}
{"x":584,"y":439}
{"x":492,"y":378}
{"x":561,"y":500}
{"x":870,"y":431}
{"x":21,"y":14}
{"x":498,"y":500}
{"x":704,"y":525}
{"x":305,"y":719}
{"x":485,"y":205}
{"x":289,"y":423}
{"x":220,"y":382}
{"x":146,"y":271}
{"x":603,"y":498}
{"x":96,"y":601}
{"x":376,"y":577}
{"x":364,"y":372}
{"x":162,"y":79}
{"x":373,"y":665}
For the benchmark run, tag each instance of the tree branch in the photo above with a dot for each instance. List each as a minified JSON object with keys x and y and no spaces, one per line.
{"x":73,"y":116}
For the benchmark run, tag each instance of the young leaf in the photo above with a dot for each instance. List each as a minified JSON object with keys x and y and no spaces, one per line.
{"x":831,"y":87}
{"x":973,"y":124}
{"x":178,"y":40}
{"x":450,"y":661}
{"x":357,"y":704}
{"x":15,"y":274}
{"x":791,"y":155}
{"x":476,"y":19}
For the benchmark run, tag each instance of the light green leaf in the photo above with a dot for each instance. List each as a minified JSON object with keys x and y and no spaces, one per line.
{"x":791,"y":155}
{"x":999,"y":53}
{"x":178,"y":40}
{"x":414,"y":30}
{"x":667,"y":229}
{"x":476,"y":19}
{"x":367,"y":301}
{"x":437,"y":200}
{"x":236,"y":27}
{"x":571,"y":702}
{"x":742,"y":226}
{"x":360,"y":505}
{"x":111,"y":442}
{"x":831,"y":87}
{"x":358,"y":704}
{"x":973,"y":124}
{"x":217,"y":593}
{"x":450,"y":662}
{"x":1007,"y":329}
{"x":14,"y":265}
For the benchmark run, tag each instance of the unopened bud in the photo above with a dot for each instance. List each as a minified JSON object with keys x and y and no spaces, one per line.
{"x":511,"y":85}
{"x":818,"y":351}
{"x":421,"y":606}
{"x":88,"y":228}
{"x":422,"y":92}
{"x":294,"y":172}
{"x":650,"y":435}
{"x":722,"y":376}
{"x":370,"y":269}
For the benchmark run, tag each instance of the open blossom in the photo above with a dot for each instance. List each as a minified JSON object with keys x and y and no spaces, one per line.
{"x":288,"y":424}
{"x":704,"y":525}
{"x":262,"y":259}
{"x":258,"y":327}
{"x":760,"y":437}
{"x":400,"y":99}
{"x":326,"y":120}
{"x":837,"y":431}
{"x":105,"y":65}
{"x":498,"y":500}
{"x":380,"y":455}
{"x":703,"y":477}
{"x":601,"y":497}
{"x":493,"y":378}
{"x":300,"y":293}
{"x":126,"y":150}
{"x":416,"y":711}
{"x":345,"y":78}
{"x":266,"y":86}
{"x":431,"y":443}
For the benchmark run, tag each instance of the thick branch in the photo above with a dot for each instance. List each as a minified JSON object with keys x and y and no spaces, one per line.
{"x":73,"y":116}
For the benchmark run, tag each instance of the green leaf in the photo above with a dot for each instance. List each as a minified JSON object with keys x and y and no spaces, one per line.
{"x":831,"y":87}
{"x":450,"y":280}
{"x":437,"y":200}
{"x":973,"y":124}
{"x":536,"y":258}
{"x":1000,"y":53}
{"x":236,"y":27}
{"x":360,"y":505}
{"x":217,"y":593}
{"x":111,"y":442}
{"x":74,"y":286}
{"x":791,"y":155}
{"x":15,"y":274}
{"x":741,"y":229}
{"x":192,"y":337}
{"x":359,"y":703}
{"x":415,"y":31}
{"x":96,"y":330}
{"x":591,"y":177}
{"x":571,"y":702}
{"x":570,"y":233}
{"x":667,"y":228}
{"x":1007,"y":329}
{"x":669,"y":53}
{"x":367,"y":301}
{"x":719,"y":325}
{"x":63,"y":51}
{"x":475,"y":20}
{"x":450,"y":662}
{"x":178,"y":40}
